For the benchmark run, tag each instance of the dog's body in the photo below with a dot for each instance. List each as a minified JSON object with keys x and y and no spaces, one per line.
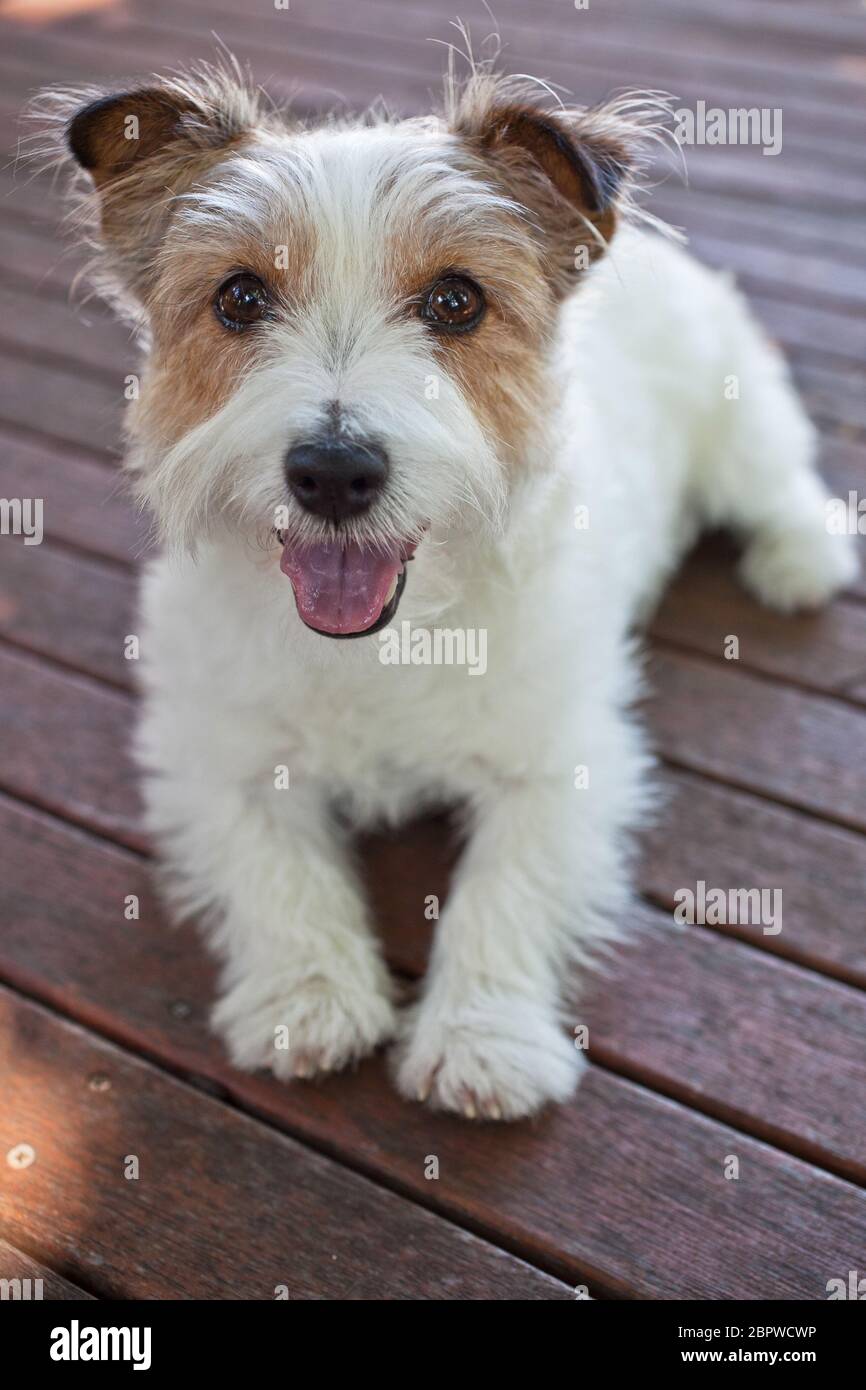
{"x":549,"y":498}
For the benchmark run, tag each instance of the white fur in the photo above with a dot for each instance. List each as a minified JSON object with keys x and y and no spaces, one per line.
{"x":643,"y":436}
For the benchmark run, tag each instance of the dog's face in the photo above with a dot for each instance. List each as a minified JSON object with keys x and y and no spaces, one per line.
{"x":349,"y":323}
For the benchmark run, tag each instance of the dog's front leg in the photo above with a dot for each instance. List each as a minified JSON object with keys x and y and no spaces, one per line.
{"x":304,"y":988}
{"x":529,"y":899}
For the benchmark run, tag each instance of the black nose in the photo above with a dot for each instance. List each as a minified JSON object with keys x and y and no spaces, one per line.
{"x":336,"y":478}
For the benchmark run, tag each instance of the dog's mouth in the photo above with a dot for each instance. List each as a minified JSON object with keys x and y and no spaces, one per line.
{"x":343,"y":589}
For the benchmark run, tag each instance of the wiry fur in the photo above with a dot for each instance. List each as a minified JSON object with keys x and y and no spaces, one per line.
{"x":601,"y":388}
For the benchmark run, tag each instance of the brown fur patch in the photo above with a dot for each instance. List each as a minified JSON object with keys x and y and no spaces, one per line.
{"x":195,"y":360}
{"x":565,"y":169}
{"x":499,"y":365}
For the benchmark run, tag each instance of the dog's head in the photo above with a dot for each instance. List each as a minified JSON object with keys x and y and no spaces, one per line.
{"x":349,"y":321}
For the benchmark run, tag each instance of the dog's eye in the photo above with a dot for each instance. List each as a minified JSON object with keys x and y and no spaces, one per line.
{"x":455,"y":304}
{"x":242,"y":300}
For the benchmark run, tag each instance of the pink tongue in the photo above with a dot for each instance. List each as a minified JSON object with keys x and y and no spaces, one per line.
{"x":340,"y":588}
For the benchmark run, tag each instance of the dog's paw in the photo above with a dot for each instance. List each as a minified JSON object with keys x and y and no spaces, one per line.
{"x":490,"y":1058}
{"x":303,"y":1027}
{"x":790,"y":570}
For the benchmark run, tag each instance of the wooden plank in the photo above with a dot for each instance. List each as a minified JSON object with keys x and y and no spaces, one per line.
{"x":726,"y":837}
{"x":675,"y":995}
{"x":561,"y":1190}
{"x":706,"y":606}
{"x":286,"y":1217}
{"x":746,"y":1036}
{"x":44,"y":595}
{"x":31,"y":1281}
{"x":819,"y":332}
{"x":67,"y":407}
{"x":843,"y":464}
{"x":84,"y":337}
{"x":386,"y":47}
{"x":806,"y":751}
{"x":833,"y":393}
{"x":64,"y":745}
{"x":820,"y":280}
{"x":86,"y":504}
{"x":720,"y":983}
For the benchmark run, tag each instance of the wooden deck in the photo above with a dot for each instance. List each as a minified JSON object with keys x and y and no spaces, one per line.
{"x":707,"y":1043}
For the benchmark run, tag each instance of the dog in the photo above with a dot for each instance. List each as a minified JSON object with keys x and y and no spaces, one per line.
{"x":443,"y":368}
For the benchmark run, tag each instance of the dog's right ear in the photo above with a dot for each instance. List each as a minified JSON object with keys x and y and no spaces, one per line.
{"x":142,"y":149}
{"x":110,"y":136}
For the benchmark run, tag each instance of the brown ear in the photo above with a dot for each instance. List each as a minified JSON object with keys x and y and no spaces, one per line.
{"x":112,"y":134}
{"x":142,"y":149}
{"x":585,"y":172}
{"x":567,"y":168}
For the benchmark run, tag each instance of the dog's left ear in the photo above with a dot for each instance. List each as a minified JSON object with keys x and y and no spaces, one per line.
{"x":569,"y":169}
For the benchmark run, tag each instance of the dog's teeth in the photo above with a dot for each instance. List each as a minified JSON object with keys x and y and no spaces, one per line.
{"x":393,"y":589}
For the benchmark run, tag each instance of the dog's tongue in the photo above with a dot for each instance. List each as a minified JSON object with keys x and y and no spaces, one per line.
{"x":340,"y":588}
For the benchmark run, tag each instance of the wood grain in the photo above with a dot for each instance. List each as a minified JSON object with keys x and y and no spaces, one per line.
{"x":220,"y":1206}
{"x":802,"y":749}
{"x":621,"y":1187}
{"x":44,"y":1284}
{"x":64,"y":745}
{"x":706,"y":1018}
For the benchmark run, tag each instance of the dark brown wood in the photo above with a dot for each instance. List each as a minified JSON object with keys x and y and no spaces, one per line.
{"x":804,"y":750}
{"x":622,"y":1188}
{"x":726,"y":837}
{"x":708,"y":1019}
{"x":86,"y":504}
{"x":72,"y":336}
{"x":27,"y":1280}
{"x":64,"y":745}
{"x":71,"y":409}
{"x":219,"y":1206}
{"x":389,"y":48}
{"x":41,"y":586}
{"x":706,"y":606}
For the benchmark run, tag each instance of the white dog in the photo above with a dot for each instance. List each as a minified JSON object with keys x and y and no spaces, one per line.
{"x":450,"y":341}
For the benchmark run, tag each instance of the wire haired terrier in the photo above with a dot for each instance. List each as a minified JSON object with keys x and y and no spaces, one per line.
{"x":444,"y":367}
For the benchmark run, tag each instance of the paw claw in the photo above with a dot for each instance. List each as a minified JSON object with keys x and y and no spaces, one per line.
{"x":498,"y":1058}
{"x":325,"y":1024}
